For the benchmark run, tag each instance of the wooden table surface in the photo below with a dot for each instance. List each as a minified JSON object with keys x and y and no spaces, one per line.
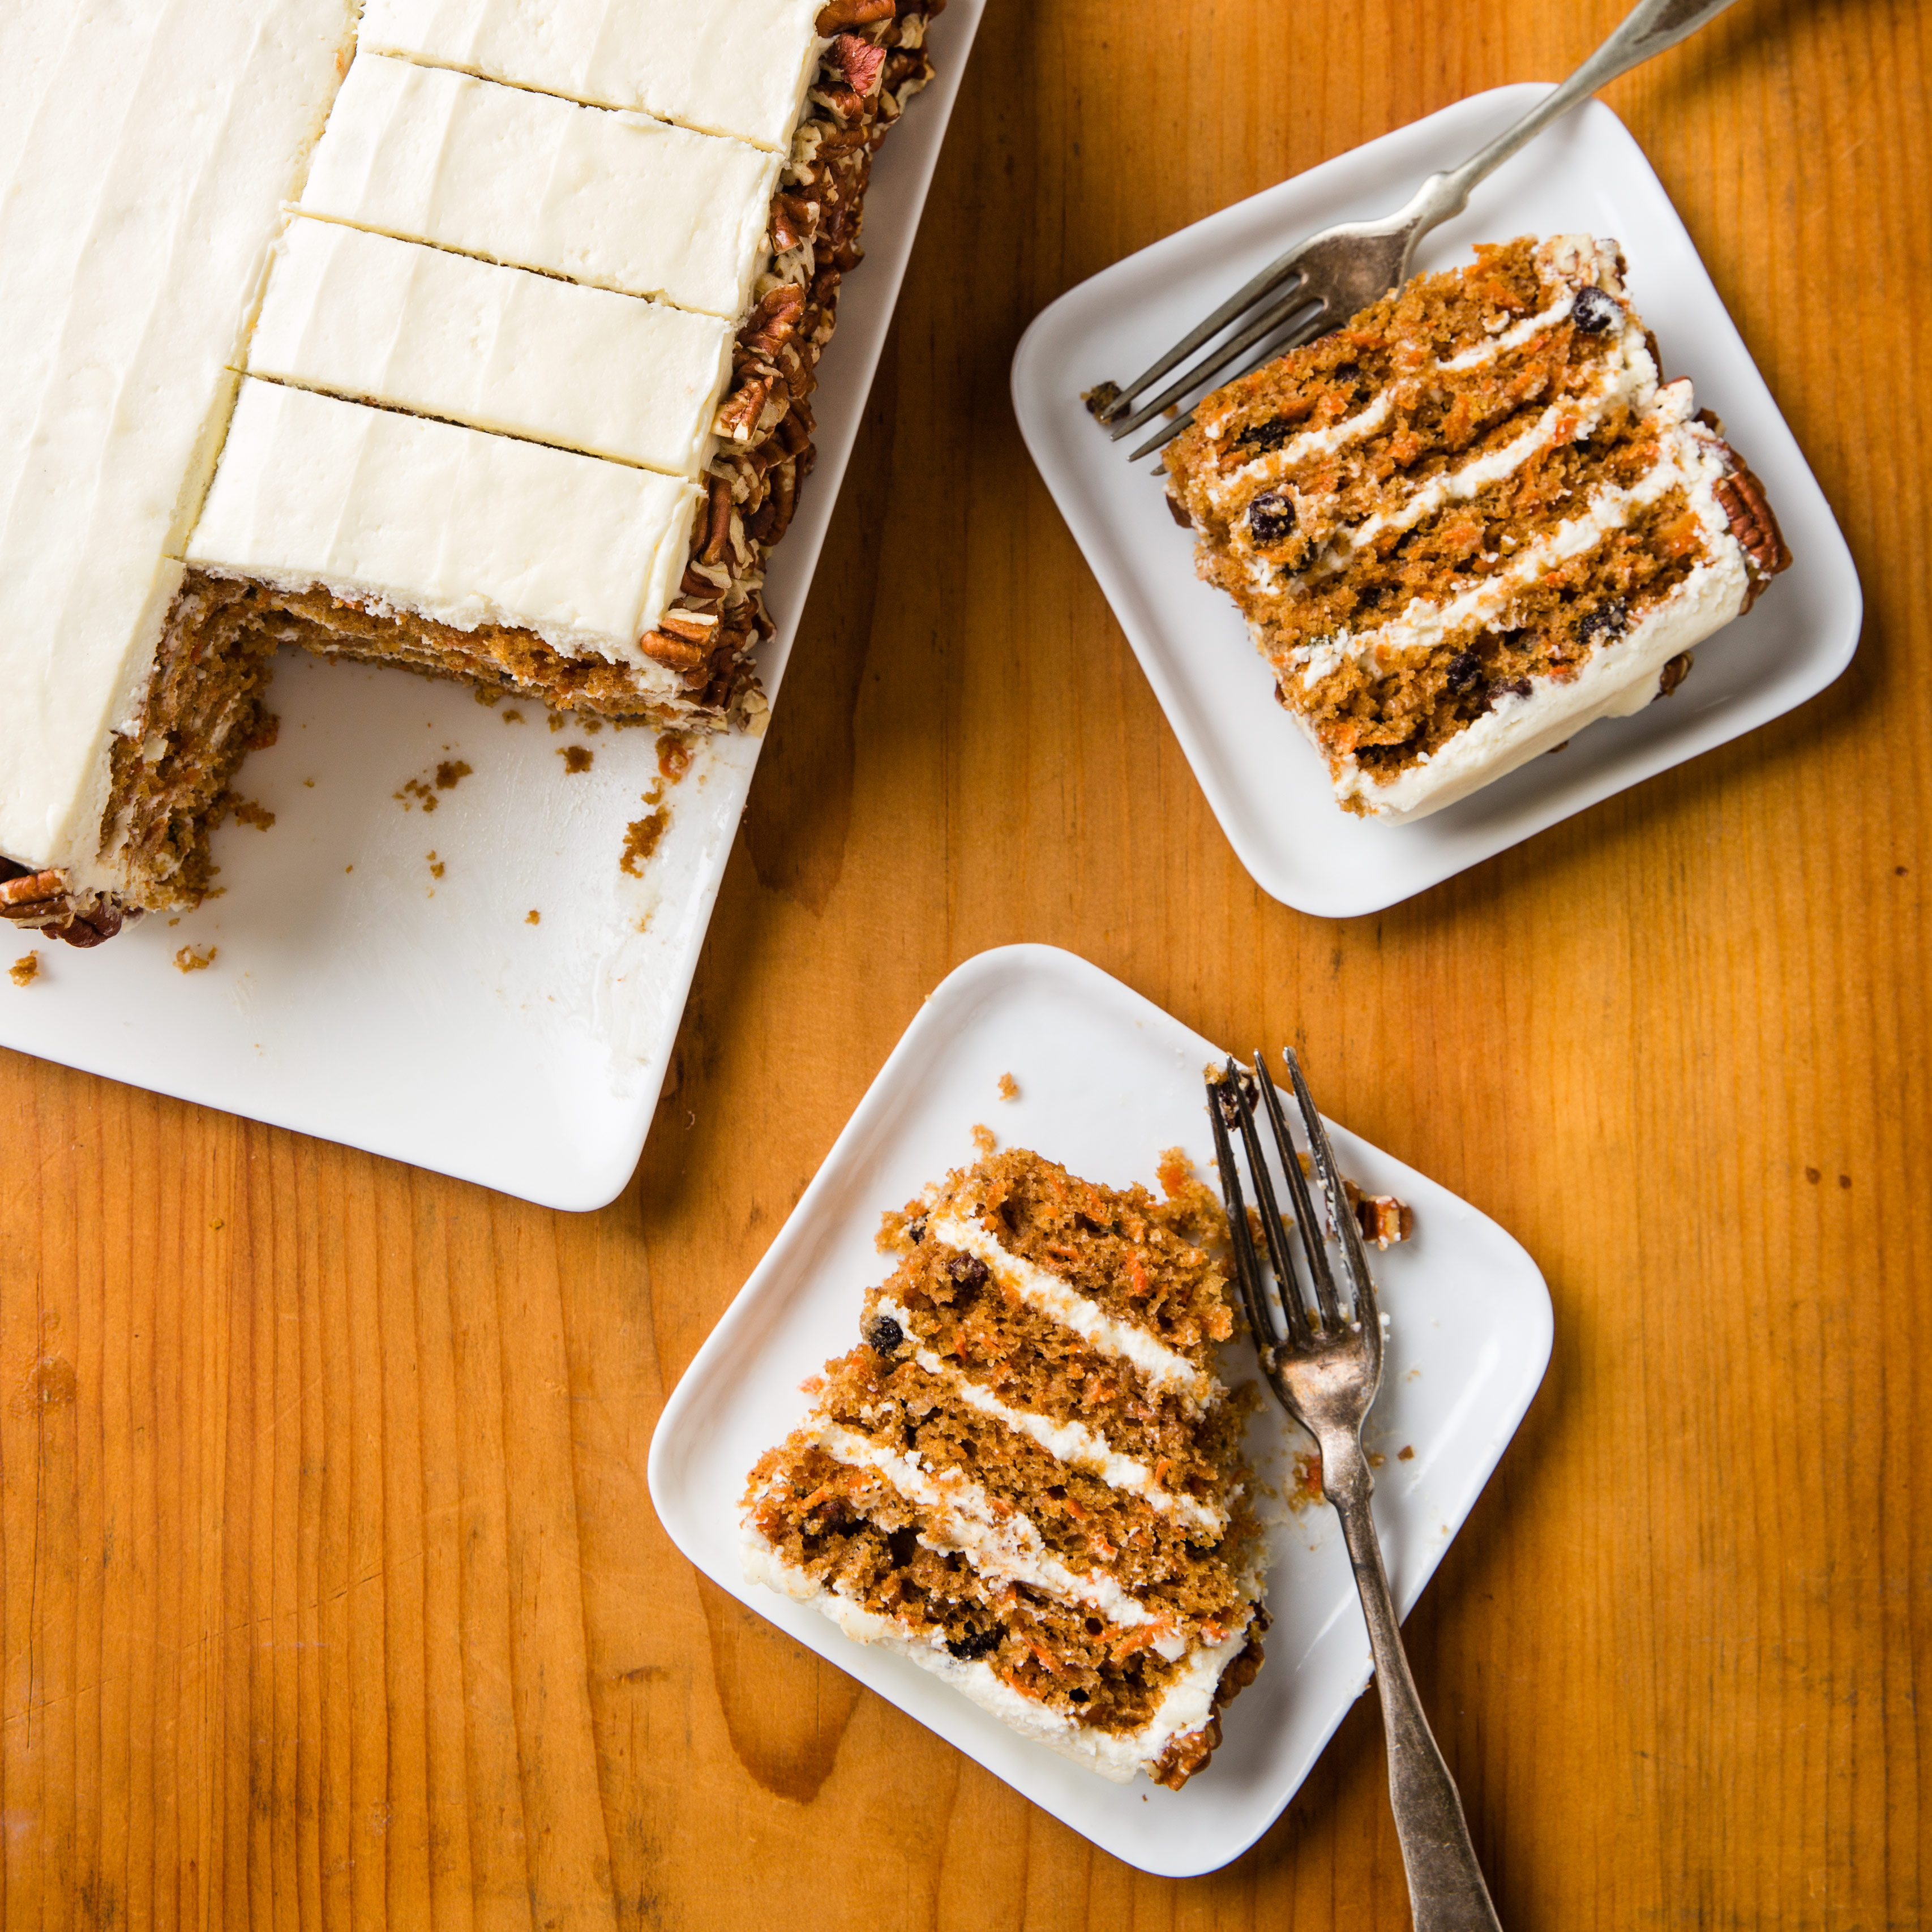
{"x":333,"y":1592}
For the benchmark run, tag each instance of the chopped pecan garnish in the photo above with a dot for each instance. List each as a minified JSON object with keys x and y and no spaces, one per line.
{"x":838,"y":15}
{"x":770,"y":326}
{"x":32,"y":888}
{"x":674,"y":653}
{"x":860,"y":62}
{"x":1675,"y":671}
{"x":98,"y":924}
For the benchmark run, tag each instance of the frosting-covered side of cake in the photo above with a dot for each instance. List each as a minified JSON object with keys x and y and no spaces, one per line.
{"x":1472,"y":520}
{"x":149,"y":150}
{"x":1027,"y":1479}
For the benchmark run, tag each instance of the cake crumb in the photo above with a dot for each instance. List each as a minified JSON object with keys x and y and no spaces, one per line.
{"x":984,"y":1138}
{"x":248,"y":812}
{"x":533,"y":917}
{"x":487,"y":696}
{"x":1306,"y":1491}
{"x":1406,"y":1454}
{"x":192,"y":959}
{"x":450,"y":773}
{"x":576,"y":758}
{"x":310,"y":783}
{"x":436,"y":866}
{"x":590,"y":726}
{"x":22,"y":971}
{"x":674,"y":756}
{"x":557,"y":721}
{"x":640,"y":840}
{"x":513,"y":717}
{"x":1010,"y":1088}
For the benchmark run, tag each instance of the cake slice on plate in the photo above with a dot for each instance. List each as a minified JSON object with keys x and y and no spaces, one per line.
{"x":1028,"y":1479}
{"x":1472,"y":520}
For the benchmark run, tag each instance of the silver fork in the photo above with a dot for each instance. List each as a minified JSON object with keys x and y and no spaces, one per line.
{"x":1321,"y":282}
{"x":1325,"y":1366}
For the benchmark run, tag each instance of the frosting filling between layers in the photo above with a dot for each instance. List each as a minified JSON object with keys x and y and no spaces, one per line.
{"x":1072,"y":1442}
{"x":1163,"y":1367}
{"x":996,"y":1539}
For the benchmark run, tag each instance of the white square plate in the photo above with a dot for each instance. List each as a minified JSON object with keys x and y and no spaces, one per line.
{"x":1263,"y":779}
{"x":1107,"y":1081}
{"x":356,"y":995}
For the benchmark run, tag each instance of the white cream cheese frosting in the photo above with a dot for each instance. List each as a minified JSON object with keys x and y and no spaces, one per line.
{"x":730,"y":67}
{"x":365,"y":316}
{"x":429,"y":518}
{"x":146,"y":149}
{"x":615,"y":200}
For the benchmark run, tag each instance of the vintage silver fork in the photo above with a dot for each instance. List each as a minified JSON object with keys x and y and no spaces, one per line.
{"x":1325,"y":1366}
{"x":1322,"y":281}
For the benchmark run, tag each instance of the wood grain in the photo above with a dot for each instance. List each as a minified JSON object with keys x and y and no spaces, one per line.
{"x":332,"y":1593}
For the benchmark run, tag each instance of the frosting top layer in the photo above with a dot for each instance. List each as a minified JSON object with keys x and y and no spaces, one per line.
{"x":614,"y":199}
{"x":731,"y":67}
{"x":363,"y":315}
{"x":462,"y":527}
{"x":146,"y":149}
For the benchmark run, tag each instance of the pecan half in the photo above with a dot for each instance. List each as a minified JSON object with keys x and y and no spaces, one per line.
{"x":1675,"y":671}
{"x":1753,"y":526}
{"x":860,"y":62}
{"x":32,"y":888}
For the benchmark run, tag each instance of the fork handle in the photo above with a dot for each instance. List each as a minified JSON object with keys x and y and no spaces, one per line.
{"x":1648,"y":28}
{"x":1446,"y":1890}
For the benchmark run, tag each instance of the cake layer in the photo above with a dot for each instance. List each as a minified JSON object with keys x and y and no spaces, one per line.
{"x":615,"y":200}
{"x":461,"y":527}
{"x":365,"y":316}
{"x":733,"y":67}
{"x":149,"y":149}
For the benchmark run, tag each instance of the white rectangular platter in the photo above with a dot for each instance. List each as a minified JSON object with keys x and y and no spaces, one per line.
{"x":1107,"y":1080}
{"x":1262,"y":779}
{"x":353,"y":993}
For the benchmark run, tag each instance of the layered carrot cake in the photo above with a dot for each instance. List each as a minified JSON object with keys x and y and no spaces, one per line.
{"x":1472,"y":521}
{"x":1026,"y":1478}
{"x":478,"y":336}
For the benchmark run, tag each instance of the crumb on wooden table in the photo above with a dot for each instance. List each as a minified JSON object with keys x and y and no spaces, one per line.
{"x":22,"y":971}
{"x":195,"y":959}
{"x":1010,"y":1088}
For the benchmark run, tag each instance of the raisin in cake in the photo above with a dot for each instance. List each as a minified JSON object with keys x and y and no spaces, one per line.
{"x":1472,"y":521}
{"x":1027,"y":1478}
{"x":477,"y":336}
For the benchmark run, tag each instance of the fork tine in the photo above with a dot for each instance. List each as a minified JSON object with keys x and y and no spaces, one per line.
{"x":1247,"y":1264}
{"x":1307,"y":1225}
{"x":1287,"y":1283}
{"x":1354,"y":1256}
{"x":1237,"y":305}
{"x":1304,"y":331}
{"x":1202,"y":373}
